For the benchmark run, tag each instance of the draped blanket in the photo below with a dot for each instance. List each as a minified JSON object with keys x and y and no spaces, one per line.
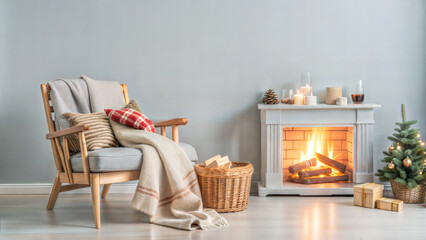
{"x":168,"y":189}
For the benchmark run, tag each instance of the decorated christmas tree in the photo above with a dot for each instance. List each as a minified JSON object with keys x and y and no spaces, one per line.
{"x":406,"y":156}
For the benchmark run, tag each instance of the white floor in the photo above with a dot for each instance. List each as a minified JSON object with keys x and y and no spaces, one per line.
{"x":25,"y":217}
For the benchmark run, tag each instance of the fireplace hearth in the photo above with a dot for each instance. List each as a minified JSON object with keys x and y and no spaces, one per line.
{"x":315,"y":150}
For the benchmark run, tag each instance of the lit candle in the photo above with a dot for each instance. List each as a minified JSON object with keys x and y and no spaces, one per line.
{"x":306,"y":90}
{"x":298,"y":98}
{"x":311,"y":100}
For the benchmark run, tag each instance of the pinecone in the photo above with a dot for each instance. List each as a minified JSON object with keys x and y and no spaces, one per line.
{"x":270,"y":97}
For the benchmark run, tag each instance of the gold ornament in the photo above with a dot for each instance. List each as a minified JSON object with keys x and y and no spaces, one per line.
{"x":407,"y":162}
{"x":391,"y":148}
{"x":391,"y":165}
{"x":421,"y":173}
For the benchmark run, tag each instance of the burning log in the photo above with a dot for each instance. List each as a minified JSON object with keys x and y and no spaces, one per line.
{"x":315,"y":180}
{"x":331,"y":163}
{"x":302,"y":165}
{"x":315,"y":172}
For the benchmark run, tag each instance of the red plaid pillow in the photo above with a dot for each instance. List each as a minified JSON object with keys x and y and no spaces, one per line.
{"x":131,"y":118}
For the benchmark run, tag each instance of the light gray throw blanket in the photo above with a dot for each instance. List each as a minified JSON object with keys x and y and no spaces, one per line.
{"x":168,"y":189}
{"x":68,"y":95}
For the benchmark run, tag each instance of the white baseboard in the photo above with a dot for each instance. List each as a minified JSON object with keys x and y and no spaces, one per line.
{"x":45,"y":188}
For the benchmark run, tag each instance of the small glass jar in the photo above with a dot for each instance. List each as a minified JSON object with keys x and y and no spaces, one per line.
{"x":287,"y":94}
{"x":306,"y":84}
{"x":357,"y":92}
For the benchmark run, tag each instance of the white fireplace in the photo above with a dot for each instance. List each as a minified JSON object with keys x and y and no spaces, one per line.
{"x":288,"y":133}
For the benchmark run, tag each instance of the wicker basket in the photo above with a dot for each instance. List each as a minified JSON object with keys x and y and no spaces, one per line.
{"x":225,"y":190}
{"x":401,"y":192}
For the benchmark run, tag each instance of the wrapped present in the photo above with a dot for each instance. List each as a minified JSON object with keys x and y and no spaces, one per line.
{"x":390,"y":204}
{"x":365,"y":195}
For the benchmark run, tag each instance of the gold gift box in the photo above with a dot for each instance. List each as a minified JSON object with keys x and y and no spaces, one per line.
{"x":365,"y":195}
{"x":390,"y":204}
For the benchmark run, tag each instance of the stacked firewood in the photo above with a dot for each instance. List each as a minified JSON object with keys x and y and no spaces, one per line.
{"x":305,"y":172}
{"x":218,"y":162}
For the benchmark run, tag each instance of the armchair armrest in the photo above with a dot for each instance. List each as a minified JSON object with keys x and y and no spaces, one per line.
{"x":67,"y":131}
{"x":174,"y":123}
{"x":171,"y":122}
{"x":63,"y":154}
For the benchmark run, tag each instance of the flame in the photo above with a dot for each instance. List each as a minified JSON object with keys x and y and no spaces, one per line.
{"x":318,"y":143}
{"x":315,"y":144}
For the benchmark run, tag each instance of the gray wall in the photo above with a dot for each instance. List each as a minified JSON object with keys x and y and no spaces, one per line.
{"x":209,"y":61}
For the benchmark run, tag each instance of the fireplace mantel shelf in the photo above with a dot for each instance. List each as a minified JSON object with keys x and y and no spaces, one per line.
{"x":318,"y":106}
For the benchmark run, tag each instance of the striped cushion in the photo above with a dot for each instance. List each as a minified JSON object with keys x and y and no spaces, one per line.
{"x":99,"y":134}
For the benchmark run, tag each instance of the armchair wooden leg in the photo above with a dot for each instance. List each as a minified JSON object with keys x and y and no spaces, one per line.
{"x":96,"y":201}
{"x":54,"y":194}
{"x":105,"y":190}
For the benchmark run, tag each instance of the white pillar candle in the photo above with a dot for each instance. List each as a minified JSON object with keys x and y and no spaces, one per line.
{"x":342,"y":101}
{"x":310,"y":100}
{"x":298,"y":99}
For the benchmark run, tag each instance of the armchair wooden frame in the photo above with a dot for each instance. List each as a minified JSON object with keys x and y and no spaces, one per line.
{"x":61,"y":156}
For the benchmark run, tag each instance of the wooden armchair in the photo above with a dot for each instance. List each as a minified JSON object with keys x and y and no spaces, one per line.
{"x":76,"y":180}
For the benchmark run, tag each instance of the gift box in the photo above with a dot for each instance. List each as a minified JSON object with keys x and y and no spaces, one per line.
{"x":366,"y":195}
{"x":390,"y":204}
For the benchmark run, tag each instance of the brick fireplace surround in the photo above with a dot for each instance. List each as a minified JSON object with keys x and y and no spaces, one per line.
{"x":285,"y":130}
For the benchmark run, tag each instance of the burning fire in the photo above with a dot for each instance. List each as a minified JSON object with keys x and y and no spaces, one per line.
{"x":318,"y":143}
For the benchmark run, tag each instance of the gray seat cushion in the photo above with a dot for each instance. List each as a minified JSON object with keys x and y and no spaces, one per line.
{"x":119,"y":159}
